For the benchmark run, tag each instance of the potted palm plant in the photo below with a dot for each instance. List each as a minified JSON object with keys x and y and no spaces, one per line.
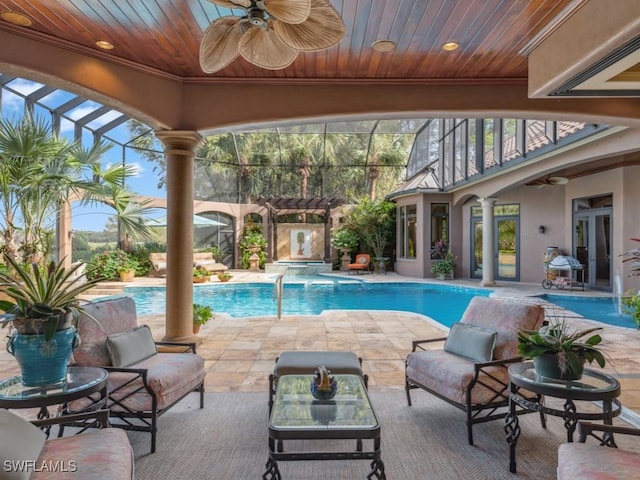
{"x":42,"y":307}
{"x":560,"y":352}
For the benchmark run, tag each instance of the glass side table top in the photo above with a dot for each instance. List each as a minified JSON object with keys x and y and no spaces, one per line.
{"x":592,"y":384}
{"x":295,"y":408}
{"x":78,"y":380}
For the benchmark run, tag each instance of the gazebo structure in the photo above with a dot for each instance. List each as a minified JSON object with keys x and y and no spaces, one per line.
{"x":538,"y":61}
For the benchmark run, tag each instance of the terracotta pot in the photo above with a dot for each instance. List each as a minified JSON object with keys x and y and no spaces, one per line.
{"x":127,"y":275}
{"x":196,"y":328}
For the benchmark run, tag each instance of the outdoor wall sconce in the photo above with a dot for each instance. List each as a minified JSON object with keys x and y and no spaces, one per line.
{"x":541,"y":229}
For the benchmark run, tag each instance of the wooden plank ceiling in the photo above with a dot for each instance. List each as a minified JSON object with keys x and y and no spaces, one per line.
{"x":164,"y":36}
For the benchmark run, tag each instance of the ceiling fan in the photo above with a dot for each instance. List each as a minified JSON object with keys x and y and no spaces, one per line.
{"x":270,"y":34}
{"x":549,"y":181}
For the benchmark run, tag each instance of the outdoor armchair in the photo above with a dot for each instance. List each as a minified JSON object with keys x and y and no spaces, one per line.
{"x":581,"y":461}
{"x":28,"y":451}
{"x":470,"y":370}
{"x":143,"y":383}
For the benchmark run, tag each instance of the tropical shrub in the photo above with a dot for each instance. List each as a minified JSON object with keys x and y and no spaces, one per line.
{"x":251,"y":237}
{"x":108,"y":264}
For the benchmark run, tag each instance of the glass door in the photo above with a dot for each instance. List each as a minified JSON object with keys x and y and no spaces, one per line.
{"x":592,"y":247}
{"x":507,"y":242}
{"x":476,"y":248}
{"x":506,"y":235}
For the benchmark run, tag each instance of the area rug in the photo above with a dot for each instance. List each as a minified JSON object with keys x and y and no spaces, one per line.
{"x":228,"y":440}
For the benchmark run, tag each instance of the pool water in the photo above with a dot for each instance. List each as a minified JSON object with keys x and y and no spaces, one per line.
{"x":603,"y":310}
{"x":443,"y":303}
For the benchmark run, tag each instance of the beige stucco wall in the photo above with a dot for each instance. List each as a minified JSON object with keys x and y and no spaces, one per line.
{"x":285,"y":242}
{"x":549,"y":206}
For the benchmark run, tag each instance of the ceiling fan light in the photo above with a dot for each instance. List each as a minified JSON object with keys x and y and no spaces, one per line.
{"x":289,"y":11}
{"x":323,"y":29}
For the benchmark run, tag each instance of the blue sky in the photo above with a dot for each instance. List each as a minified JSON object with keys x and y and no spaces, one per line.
{"x":145,"y":180}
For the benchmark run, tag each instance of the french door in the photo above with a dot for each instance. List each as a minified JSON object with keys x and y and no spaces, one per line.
{"x":506,"y":234}
{"x":592,"y":247}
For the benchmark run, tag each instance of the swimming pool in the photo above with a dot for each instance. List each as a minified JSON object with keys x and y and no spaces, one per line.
{"x":603,"y":310}
{"x":443,"y":303}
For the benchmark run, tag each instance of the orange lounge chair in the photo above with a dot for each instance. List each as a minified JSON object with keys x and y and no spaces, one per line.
{"x":361,"y":263}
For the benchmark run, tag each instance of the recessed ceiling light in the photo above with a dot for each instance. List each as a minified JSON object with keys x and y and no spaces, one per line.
{"x":450,"y":46}
{"x":105,"y":45}
{"x":16,"y":19}
{"x":383,"y":45}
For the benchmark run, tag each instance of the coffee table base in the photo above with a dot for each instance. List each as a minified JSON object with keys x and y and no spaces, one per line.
{"x":377,"y":465}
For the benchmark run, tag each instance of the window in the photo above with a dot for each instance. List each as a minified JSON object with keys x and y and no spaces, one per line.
{"x":408,"y":217}
{"x":439,"y":228}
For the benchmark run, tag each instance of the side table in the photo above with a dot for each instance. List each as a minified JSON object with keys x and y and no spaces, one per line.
{"x":593,"y":386}
{"x":81,"y":382}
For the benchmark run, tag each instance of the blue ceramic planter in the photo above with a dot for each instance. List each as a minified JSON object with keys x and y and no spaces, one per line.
{"x":43,"y":362}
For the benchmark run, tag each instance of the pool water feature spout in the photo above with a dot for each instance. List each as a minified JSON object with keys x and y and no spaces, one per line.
{"x":617,"y":290}
{"x":277,"y":292}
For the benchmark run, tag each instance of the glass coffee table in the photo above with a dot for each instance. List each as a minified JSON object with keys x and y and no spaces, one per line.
{"x":594,"y":386}
{"x":297,"y":415}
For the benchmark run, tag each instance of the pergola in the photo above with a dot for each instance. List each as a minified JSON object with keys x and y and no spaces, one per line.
{"x":277,"y":206}
{"x":531,"y":59}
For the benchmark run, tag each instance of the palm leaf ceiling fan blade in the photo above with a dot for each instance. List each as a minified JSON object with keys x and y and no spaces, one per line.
{"x":263,"y":48}
{"x":219,"y":45}
{"x":232,"y":3}
{"x":323,"y":29}
{"x":289,"y":11}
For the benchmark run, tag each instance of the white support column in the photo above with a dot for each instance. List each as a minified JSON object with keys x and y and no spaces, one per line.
{"x":179,"y":151}
{"x":488,"y":253}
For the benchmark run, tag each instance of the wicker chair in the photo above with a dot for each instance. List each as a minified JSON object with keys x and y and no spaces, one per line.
{"x":470,"y":371}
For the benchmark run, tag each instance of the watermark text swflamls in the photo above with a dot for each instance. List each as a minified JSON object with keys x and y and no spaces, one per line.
{"x":54,"y":466}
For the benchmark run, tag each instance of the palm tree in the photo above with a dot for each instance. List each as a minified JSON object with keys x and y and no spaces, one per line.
{"x":39,"y":172}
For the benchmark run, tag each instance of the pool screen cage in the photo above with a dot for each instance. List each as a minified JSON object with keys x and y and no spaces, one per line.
{"x":349,"y":160}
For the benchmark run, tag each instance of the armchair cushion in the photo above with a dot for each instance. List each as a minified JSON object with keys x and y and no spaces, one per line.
{"x":20,"y":441}
{"x":506,"y":318}
{"x":169,"y":375}
{"x":450,"y":375}
{"x":102,"y":318}
{"x":98,"y":455}
{"x":470,"y":341}
{"x":132,"y":346}
{"x":593,"y":462}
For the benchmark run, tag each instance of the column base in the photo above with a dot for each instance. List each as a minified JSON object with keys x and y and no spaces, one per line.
{"x":186,"y":339}
{"x":488,"y":283}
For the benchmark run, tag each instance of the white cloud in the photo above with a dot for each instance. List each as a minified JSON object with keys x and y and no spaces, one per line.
{"x":12,"y":104}
{"x":25,"y":87}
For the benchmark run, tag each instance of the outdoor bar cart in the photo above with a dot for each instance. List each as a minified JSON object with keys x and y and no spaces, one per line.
{"x":564,"y":271}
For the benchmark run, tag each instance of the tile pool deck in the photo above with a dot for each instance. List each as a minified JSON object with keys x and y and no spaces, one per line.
{"x":239,"y":353}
